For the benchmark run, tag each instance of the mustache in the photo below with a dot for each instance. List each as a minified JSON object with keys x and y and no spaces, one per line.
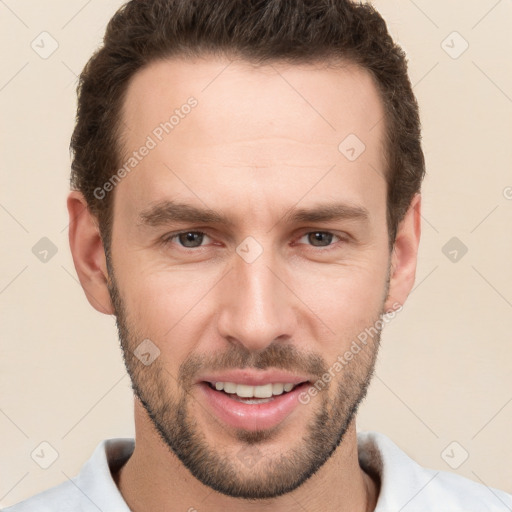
{"x":277,"y":355}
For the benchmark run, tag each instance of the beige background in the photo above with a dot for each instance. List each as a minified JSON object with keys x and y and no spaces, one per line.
{"x":444,"y":372}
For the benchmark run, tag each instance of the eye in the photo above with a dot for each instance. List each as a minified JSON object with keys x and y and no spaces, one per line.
{"x":319,"y":238}
{"x":195,"y":239}
{"x":186,"y":239}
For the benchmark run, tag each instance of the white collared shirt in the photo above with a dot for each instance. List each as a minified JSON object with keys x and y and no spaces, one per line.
{"x":405,"y":485}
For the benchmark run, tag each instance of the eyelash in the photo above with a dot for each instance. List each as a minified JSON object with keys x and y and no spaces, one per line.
{"x":168,"y":239}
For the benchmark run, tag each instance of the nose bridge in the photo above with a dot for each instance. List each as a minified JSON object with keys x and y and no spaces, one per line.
{"x":256,"y":307}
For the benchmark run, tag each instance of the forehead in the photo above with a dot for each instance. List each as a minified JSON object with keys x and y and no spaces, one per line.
{"x":270,"y":127}
{"x":310,"y":100}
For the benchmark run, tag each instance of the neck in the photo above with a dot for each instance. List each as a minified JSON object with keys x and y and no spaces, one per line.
{"x":155,"y":479}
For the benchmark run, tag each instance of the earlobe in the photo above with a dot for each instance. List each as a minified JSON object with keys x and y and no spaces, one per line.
{"x":404,"y":256}
{"x":88,"y":253}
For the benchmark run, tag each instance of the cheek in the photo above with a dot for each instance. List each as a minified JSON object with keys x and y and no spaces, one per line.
{"x":168,"y":308}
{"x":345,"y":291}
{"x":347,"y":299}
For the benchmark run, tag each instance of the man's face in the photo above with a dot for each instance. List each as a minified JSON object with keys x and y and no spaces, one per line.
{"x":268,"y":298}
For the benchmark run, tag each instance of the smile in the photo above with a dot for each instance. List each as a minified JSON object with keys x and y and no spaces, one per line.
{"x":249,"y":407}
{"x":246,"y":391}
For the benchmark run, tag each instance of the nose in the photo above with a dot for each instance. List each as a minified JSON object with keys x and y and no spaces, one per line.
{"x":257,"y":307}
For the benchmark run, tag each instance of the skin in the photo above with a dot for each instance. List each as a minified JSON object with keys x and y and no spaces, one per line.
{"x":261,"y":141}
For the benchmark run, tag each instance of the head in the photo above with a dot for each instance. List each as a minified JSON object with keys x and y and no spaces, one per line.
{"x":246,"y":196}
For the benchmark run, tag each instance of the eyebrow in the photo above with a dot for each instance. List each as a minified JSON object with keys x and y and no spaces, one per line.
{"x":167,"y":212}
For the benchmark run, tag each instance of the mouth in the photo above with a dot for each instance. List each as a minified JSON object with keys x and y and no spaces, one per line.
{"x":253,"y":394}
{"x":252,"y":407}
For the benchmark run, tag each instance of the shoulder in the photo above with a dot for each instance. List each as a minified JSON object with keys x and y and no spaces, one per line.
{"x":91,"y":490}
{"x":409,"y":487}
{"x":62,"y":497}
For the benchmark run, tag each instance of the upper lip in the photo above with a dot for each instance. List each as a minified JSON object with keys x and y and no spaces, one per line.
{"x":254,"y":378}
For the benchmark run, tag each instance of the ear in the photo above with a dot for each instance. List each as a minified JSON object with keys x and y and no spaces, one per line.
{"x":404,"y":256}
{"x":88,"y":253}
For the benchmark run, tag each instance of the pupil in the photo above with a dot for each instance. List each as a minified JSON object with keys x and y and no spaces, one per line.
{"x":317,"y":237}
{"x":191,"y":237}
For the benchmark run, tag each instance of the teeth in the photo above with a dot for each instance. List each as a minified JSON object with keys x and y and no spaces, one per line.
{"x":245,"y":391}
{"x":277,"y":389}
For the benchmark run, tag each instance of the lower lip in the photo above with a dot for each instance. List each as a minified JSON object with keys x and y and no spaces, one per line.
{"x":251,"y":416}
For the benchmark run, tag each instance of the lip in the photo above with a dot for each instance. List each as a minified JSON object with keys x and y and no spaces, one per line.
{"x":254,"y":378}
{"x":250,"y":416}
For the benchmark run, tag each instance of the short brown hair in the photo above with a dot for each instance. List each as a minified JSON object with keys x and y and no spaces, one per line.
{"x":296,"y":31}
